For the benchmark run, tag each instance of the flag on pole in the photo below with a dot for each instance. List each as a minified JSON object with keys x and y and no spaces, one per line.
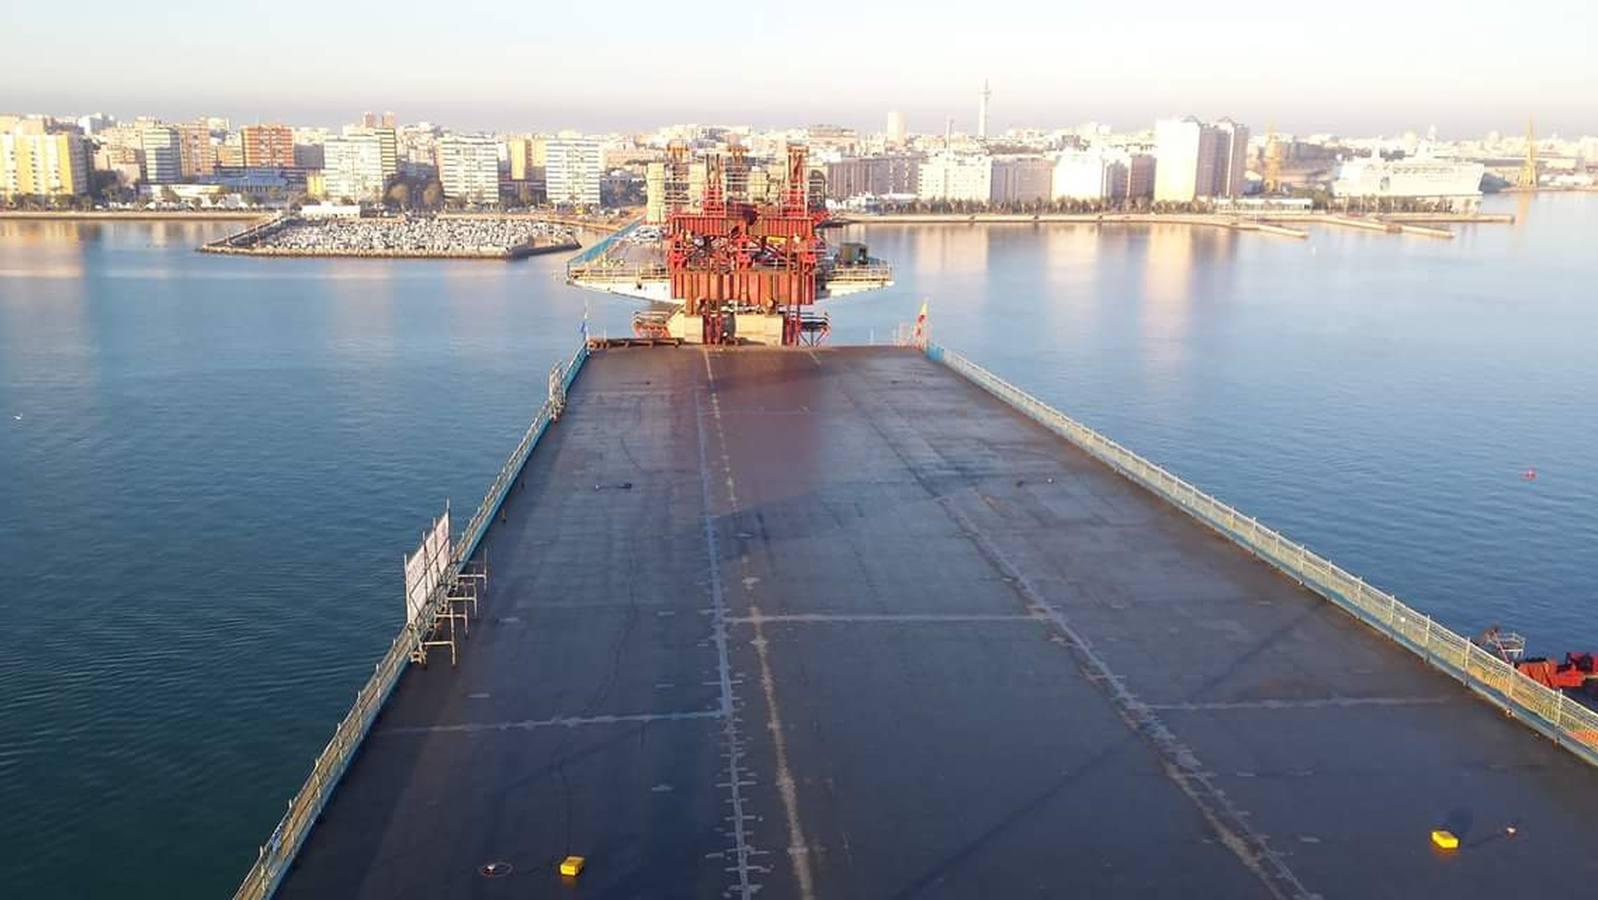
{"x":920,"y":335}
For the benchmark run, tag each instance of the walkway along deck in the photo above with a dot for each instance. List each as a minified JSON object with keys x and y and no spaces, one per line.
{"x":836,"y":624}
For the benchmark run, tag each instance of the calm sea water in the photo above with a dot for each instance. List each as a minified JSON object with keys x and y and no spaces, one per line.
{"x":209,"y":467}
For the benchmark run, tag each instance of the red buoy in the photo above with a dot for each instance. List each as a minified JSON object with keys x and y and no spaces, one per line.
{"x":1529,"y":475}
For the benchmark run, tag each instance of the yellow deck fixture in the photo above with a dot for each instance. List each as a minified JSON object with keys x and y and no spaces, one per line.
{"x":1445,"y":840}
{"x":572,"y":866}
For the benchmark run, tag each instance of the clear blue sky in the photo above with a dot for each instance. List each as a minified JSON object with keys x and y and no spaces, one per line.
{"x":1351,"y":67}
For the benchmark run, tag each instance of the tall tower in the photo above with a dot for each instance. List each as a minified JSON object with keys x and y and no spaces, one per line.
{"x":982,"y":111}
{"x":1528,"y":169}
{"x":1273,"y":161}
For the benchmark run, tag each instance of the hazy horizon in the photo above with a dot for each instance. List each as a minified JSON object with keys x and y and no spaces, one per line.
{"x":1368,"y":68}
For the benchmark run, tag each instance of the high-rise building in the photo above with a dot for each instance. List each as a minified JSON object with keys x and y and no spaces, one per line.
{"x":897,"y":129}
{"x":519,"y":158}
{"x":873,"y":175}
{"x":196,"y":154}
{"x":955,"y":177}
{"x":571,"y":171}
{"x":93,"y":123}
{"x":1083,"y":175}
{"x":352,"y":167}
{"x":386,"y":138}
{"x":43,"y":164}
{"x":1020,"y":179}
{"x":1198,"y":160}
{"x":982,"y":112}
{"x":268,"y":146}
{"x":1231,"y":159}
{"x":468,"y":168}
{"x":163,"y":154}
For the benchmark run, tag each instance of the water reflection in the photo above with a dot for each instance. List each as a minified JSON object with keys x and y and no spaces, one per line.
{"x":950,"y":249}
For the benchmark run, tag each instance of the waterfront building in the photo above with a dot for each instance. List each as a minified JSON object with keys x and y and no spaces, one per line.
{"x":1199,"y":160}
{"x":1451,"y":183}
{"x":1021,"y":179}
{"x":1140,"y":169}
{"x":387,"y":141}
{"x":38,"y":164}
{"x":268,"y":146}
{"x":163,"y":155}
{"x":572,"y":170}
{"x":897,"y":129}
{"x":230,"y":153}
{"x":1231,"y":159}
{"x":525,"y":157}
{"x":874,"y":176}
{"x":352,"y":168}
{"x":196,"y":153}
{"x":956,"y":177}
{"x":468,"y":168}
{"x":1082,"y":175}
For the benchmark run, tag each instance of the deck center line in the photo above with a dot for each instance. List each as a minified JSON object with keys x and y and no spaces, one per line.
{"x":718,"y":602}
{"x":786,"y":787}
{"x":556,"y":722}
{"x":1184,"y":768}
{"x":1310,"y":703}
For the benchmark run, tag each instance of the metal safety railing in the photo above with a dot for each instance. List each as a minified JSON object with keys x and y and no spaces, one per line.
{"x":1548,"y":711}
{"x":278,"y":852}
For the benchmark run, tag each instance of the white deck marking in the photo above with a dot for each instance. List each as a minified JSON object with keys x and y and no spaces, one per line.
{"x":1311,"y":703}
{"x":1180,"y":763}
{"x":928,"y":618}
{"x":786,"y":787}
{"x":718,"y":602}
{"x":559,"y":722}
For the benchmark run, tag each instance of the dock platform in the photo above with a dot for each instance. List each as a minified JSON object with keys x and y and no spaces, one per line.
{"x":838,"y":623}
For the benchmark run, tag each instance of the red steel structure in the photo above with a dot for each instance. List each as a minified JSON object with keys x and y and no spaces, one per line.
{"x":734,"y":254}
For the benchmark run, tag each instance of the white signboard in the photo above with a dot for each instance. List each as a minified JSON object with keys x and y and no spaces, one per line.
{"x":425,"y":568}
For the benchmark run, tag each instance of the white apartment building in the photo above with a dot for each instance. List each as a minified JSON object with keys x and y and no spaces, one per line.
{"x":1082,"y":175}
{"x":572,"y":167}
{"x":352,"y":168}
{"x":955,"y":177}
{"x":387,"y":142}
{"x":468,"y":168}
{"x":162,"y":154}
{"x":1198,"y":160}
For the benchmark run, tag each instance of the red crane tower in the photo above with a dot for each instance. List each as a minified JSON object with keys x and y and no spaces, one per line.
{"x":735,"y":256}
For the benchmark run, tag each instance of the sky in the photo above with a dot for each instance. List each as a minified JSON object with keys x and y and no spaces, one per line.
{"x":1354,"y":67}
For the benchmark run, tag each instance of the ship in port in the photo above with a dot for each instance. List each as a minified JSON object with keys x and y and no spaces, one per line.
{"x":730,"y":264}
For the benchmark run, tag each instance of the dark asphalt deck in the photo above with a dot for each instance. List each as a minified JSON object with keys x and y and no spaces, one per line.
{"x":857,"y":629}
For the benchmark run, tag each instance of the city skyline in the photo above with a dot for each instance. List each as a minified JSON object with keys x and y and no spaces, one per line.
{"x":1371,"y":69}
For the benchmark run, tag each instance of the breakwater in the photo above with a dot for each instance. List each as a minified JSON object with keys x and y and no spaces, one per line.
{"x":498,"y":238}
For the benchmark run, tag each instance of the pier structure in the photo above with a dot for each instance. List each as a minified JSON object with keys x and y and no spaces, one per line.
{"x":799,"y":623}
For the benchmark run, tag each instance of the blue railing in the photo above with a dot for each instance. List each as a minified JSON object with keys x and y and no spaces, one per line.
{"x":274,"y":858}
